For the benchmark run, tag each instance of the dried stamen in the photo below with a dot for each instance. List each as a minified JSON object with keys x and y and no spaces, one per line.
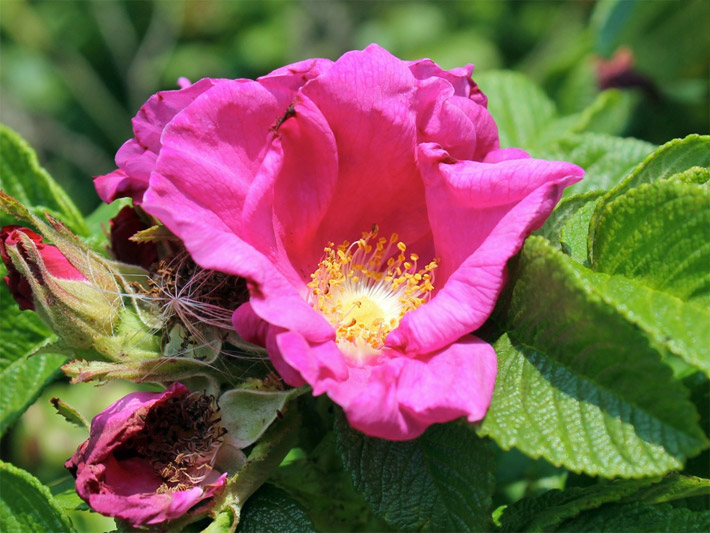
{"x":180,"y":439}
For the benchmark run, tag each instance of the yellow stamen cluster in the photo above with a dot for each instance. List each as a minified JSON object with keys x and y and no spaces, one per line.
{"x":365,"y":288}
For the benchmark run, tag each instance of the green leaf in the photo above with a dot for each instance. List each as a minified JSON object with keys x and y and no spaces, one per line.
{"x":673,"y":323}
{"x":673,"y":487}
{"x":608,"y":113}
{"x":668,"y":251}
{"x":562,"y":214}
{"x":520,"y":108}
{"x":98,"y":223}
{"x":27,"y":505}
{"x":605,"y":159}
{"x":640,"y":517}
{"x":577,"y":383}
{"x":21,"y":378}
{"x":573,"y":235}
{"x":673,"y":157}
{"x":271,"y":509}
{"x":22,"y":177}
{"x":319,"y":483}
{"x":70,"y":414}
{"x":659,"y":264}
{"x":548,"y":510}
{"x":441,"y":481}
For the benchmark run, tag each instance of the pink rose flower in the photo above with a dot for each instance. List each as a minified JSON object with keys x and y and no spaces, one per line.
{"x":149,"y":456}
{"x":54,"y":261}
{"x":370,"y":209}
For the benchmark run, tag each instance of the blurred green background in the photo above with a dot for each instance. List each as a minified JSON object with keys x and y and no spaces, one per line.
{"x":73,"y":73}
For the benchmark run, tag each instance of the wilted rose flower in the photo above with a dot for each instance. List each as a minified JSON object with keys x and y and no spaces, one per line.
{"x":150,"y":456}
{"x":370,"y":209}
{"x":124,"y":226}
{"x":54,"y":261}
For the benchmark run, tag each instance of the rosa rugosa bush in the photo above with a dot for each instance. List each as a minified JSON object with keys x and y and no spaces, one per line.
{"x":368,"y":205}
{"x":150,"y":456}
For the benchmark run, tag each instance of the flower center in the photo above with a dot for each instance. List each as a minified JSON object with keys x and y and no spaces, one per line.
{"x":365,"y":288}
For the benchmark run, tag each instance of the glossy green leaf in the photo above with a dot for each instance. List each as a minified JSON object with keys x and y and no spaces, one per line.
{"x":640,"y":517}
{"x":441,"y":481}
{"x":271,"y":509}
{"x":578,"y":383}
{"x":22,"y":177}
{"x":27,"y":505}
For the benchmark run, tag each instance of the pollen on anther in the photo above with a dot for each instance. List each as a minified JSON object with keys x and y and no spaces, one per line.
{"x":365,"y":288}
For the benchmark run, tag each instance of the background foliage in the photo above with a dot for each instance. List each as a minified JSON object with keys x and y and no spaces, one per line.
{"x":609,"y":381}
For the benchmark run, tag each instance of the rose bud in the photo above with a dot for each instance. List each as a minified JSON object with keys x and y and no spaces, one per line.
{"x":43,"y":278}
{"x":151,"y":457}
{"x":55,"y":262}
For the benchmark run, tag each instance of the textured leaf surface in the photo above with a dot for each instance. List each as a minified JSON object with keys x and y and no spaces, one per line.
{"x":563,"y":212}
{"x":605,"y":159}
{"x":441,"y":481}
{"x":271,"y":509}
{"x":674,"y":487}
{"x":573,"y":235}
{"x":27,"y":505}
{"x":21,"y":176}
{"x":578,"y":384}
{"x":548,"y":510}
{"x":319,"y":483}
{"x":21,"y":378}
{"x":640,"y":517}
{"x":673,"y":157}
{"x":658,"y":234}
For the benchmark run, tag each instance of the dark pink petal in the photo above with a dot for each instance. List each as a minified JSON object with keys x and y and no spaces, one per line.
{"x":459,"y":78}
{"x":136,"y":158}
{"x":462,"y":127}
{"x":318,"y":364}
{"x":160,"y":109}
{"x":501,"y":204}
{"x":366,"y":98}
{"x":295,"y":75}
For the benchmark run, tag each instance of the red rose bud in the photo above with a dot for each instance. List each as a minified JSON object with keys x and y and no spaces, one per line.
{"x":123,"y":226}
{"x":54,"y":261}
{"x":72,"y":290}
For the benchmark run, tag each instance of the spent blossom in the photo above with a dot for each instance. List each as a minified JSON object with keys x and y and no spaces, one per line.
{"x":150,"y":456}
